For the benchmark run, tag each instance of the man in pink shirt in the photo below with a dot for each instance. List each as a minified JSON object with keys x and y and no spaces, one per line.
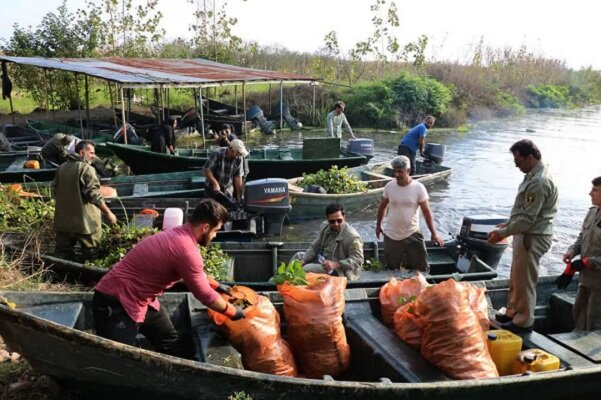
{"x":126,"y":298}
{"x":404,"y":244}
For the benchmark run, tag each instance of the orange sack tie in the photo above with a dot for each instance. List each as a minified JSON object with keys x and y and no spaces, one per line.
{"x":257,"y":336}
{"x":315,"y":329}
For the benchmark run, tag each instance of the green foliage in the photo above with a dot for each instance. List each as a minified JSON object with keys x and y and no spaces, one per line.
{"x":117,"y":240}
{"x":23,"y":214}
{"x":402,"y":101}
{"x":509,"y":104}
{"x":240,"y":396}
{"x":334,"y":181}
{"x":404,"y":300}
{"x":374,"y":265}
{"x":293,"y":273}
{"x":215,"y":262}
{"x":548,"y":96}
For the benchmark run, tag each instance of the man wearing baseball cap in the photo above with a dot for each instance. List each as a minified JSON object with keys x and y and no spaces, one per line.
{"x":224,"y":173}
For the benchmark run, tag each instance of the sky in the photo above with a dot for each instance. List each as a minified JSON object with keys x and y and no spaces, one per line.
{"x":554,"y":29}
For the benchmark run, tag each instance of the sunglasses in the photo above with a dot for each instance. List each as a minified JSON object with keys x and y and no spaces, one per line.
{"x":335,"y":221}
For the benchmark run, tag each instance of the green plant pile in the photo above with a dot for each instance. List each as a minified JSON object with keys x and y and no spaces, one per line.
{"x":117,"y":240}
{"x":25,"y":215}
{"x":334,"y":181}
{"x":374,"y":265}
{"x":215,"y":262}
{"x":293,"y":273}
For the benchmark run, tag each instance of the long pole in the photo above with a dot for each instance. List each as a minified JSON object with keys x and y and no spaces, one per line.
{"x":244,"y":108}
{"x":236,"y":97}
{"x":123,"y":115}
{"x":79,"y":107}
{"x":52,"y":96}
{"x":313,"y":108}
{"x":113,"y":104}
{"x":202,"y":119}
{"x":281,"y":105}
{"x":47,"y":95}
{"x":87,"y":89}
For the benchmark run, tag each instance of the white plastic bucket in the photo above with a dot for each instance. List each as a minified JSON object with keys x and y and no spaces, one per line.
{"x":173,"y":217}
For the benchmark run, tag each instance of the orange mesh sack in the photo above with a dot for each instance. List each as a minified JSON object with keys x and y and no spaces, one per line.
{"x":405,"y":326}
{"x":479,"y":305}
{"x":315,"y":330}
{"x":393,"y":292}
{"x":452,"y":338}
{"x":257,"y":337}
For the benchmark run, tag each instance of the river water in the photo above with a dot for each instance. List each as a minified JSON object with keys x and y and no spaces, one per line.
{"x":485,"y":180}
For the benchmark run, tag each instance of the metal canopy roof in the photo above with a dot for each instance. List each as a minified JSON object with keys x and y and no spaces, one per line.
{"x":151,"y":72}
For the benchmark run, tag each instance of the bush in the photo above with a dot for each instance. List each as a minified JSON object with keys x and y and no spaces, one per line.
{"x":508,"y":104}
{"x":548,"y":96}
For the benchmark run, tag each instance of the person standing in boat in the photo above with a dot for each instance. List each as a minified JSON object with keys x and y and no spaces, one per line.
{"x":531,"y":225}
{"x":337,"y":250}
{"x":587,"y":308}
{"x":126,"y":299}
{"x":77,"y":215}
{"x":404,"y":245}
{"x":336,"y":120}
{"x":415,"y":140}
{"x":163,"y":137}
{"x":224,"y":172}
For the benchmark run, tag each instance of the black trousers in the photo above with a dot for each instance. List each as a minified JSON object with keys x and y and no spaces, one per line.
{"x":112,"y":322}
{"x":406,"y":151}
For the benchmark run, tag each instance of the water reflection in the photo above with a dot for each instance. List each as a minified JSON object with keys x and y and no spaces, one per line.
{"x":484,"y":178}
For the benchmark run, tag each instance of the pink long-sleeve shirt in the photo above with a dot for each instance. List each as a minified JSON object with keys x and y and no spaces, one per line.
{"x":153,"y":266}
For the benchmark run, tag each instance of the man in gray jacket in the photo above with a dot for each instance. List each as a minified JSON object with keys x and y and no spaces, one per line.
{"x":587,"y":308}
{"x":337,"y":250}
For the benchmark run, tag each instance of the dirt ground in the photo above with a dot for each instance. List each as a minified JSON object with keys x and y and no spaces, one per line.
{"x":58,"y":116}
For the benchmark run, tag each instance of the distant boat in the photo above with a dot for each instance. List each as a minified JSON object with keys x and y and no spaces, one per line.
{"x":20,"y":138}
{"x":263,"y":163}
{"x":307,"y":205}
{"x":172,"y":185}
{"x":55,"y":333}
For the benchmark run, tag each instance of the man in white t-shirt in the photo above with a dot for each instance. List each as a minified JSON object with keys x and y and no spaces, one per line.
{"x":404,"y":244}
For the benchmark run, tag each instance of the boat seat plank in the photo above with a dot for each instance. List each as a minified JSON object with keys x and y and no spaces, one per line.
{"x":380,"y":351}
{"x":585,"y":343}
{"x":66,"y":314}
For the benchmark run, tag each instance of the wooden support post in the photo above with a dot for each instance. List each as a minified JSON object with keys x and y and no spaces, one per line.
{"x":281,"y":105}
{"x":244,"y":106}
{"x":123,"y":115}
{"x":83,"y":136}
{"x":202,"y":119}
{"x":87,"y":90}
{"x":113,"y":104}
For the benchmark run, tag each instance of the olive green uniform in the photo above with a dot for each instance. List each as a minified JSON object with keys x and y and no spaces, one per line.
{"x":54,"y":150}
{"x":77,"y":217}
{"x":587,"y":309}
{"x":344,"y":247}
{"x":531,"y":224}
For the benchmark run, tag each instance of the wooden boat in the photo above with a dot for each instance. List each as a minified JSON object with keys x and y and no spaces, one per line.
{"x":185,"y":184}
{"x":12,"y":168}
{"x":20,"y":139}
{"x":253,"y":264}
{"x":55,"y":333}
{"x":47,"y":130}
{"x":263,"y":163}
{"x":376,"y":176}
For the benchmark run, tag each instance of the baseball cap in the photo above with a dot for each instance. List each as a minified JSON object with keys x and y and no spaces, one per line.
{"x":238,"y":145}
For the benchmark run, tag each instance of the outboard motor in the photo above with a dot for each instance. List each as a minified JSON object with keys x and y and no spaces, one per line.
{"x":268,"y":198}
{"x":256,"y":114}
{"x":434,"y":152}
{"x":293,"y":123}
{"x":361,"y":146}
{"x":474,"y":234}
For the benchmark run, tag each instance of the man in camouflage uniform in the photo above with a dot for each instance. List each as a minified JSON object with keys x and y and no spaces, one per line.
{"x":587,"y":308}
{"x":337,"y":250}
{"x":531,"y":224}
{"x":77,"y":215}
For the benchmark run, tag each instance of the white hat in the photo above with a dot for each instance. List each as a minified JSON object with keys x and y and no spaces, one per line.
{"x":238,"y":145}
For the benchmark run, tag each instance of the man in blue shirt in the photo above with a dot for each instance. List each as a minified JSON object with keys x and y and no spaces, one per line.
{"x":414,"y":140}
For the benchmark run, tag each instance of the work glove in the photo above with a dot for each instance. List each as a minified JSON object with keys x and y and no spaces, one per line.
{"x":579,"y":265}
{"x":234,"y":312}
{"x":563,"y":281}
{"x":219,"y":287}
